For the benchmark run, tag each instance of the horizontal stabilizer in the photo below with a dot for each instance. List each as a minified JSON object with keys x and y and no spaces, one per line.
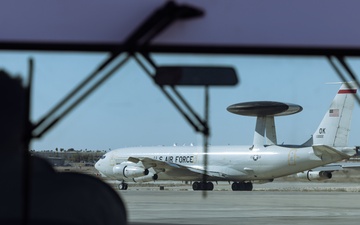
{"x":327,"y":153}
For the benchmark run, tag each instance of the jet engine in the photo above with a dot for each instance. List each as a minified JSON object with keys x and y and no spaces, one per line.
{"x":130,"y":170}
{"x":149,"y":177}
{"x":315,"y":175}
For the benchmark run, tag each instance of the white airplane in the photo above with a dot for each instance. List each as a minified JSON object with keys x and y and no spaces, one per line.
{"x":242,"y":165}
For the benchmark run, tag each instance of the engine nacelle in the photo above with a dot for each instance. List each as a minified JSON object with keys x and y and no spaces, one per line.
{"x":130,"y":171}
{"x":147,"y":178}
{"x":315,"y":175}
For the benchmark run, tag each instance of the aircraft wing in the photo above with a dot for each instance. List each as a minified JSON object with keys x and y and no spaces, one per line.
{"x":162,"y":166}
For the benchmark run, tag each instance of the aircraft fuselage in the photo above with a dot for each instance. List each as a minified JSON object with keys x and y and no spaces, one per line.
{"x":230,"y":163}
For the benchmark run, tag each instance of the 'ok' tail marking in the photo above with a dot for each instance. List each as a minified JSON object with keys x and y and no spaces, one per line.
{"x":335,"y":126}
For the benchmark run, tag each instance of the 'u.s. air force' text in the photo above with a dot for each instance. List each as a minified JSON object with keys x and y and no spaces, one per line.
{"x":177,"y":158}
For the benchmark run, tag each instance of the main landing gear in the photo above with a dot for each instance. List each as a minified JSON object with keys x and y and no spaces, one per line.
{"x":242,"y":186}
{"x":123,"y":186}
{"x":208,"y":186}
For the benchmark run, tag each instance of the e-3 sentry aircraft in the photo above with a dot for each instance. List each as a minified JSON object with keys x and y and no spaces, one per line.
{"x":243,"y":165}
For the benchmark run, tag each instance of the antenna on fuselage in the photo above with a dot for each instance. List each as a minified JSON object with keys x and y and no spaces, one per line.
{"x":265,"y":112}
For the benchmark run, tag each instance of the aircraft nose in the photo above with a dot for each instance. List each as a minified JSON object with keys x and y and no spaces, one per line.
{"x":97,"y":165}
{"x":102,"y":165}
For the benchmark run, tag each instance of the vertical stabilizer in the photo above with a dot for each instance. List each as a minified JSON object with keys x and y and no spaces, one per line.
{"x":335,"y":126}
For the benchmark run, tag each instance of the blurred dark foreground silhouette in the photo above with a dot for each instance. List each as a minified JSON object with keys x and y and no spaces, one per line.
{"x":53,"y":198}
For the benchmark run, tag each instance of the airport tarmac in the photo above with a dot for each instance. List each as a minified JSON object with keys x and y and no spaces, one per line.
{"x":272,"y":203}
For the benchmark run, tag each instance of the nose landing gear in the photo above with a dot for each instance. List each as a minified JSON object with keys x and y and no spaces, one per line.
{"x":123,"y":186}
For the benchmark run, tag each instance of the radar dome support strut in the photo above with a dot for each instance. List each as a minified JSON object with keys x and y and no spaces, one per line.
{"x":265,"y":131}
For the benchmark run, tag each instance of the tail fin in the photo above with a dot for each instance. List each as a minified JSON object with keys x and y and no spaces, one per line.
{"x":335,"y":126}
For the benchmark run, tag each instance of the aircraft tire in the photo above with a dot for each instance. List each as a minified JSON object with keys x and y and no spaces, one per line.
{"x":234,"y":186}
{"x":123,"y":186}
{"x":237,"y":186}
{"x":242,"y":186}
{"x":196,"y":186}
{"x":248,"y":186}
{"x":209,"y":186}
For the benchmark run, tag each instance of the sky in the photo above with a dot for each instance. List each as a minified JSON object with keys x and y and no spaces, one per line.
{"x":130,"y":110}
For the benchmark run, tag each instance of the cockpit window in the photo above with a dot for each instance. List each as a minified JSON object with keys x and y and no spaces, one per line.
{"x":103,"y":157}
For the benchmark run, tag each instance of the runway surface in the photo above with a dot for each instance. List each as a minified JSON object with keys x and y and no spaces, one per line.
{"x":274,"y":203}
